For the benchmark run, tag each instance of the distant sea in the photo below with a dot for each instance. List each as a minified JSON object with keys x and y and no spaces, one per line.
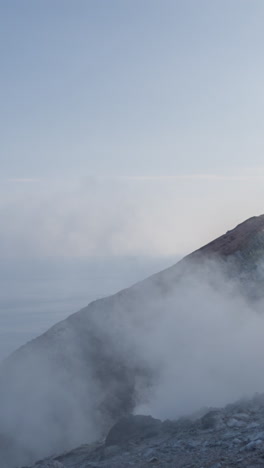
{"x":37,"y":293}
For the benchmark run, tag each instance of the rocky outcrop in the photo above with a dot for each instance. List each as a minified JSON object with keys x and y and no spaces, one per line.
{"x":221,"y":438}
{"x":132,"y":428}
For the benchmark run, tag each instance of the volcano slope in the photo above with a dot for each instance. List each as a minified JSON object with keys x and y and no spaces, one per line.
{"x":220,"y":438}
{"x":110,"y":359}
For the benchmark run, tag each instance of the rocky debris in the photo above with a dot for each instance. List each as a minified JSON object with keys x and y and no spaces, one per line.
{"x":221,"y":438}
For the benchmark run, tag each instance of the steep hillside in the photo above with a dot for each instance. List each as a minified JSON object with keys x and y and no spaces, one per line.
{"x":72,"y":383}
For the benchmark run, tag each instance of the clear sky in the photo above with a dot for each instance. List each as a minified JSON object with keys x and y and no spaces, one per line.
{"x":128,"y":127}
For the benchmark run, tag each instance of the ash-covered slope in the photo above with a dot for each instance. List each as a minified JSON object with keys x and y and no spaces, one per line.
{"x":70,"y":384}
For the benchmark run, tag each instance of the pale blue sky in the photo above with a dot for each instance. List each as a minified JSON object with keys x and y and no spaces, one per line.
{"x":117,"y":96}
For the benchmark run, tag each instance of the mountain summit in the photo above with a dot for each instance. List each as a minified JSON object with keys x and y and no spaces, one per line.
{"x":245,"y":238}
{"x":69,"y":385}
{"x":240,"y":252}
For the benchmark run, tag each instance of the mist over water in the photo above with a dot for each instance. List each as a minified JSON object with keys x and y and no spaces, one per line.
{"x":37,"y":293}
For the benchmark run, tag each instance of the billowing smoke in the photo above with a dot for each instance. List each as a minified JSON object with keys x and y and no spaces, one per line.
{"x":186,"y":338}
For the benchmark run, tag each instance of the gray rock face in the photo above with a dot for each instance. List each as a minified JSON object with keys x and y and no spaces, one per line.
{"x":50,"y":464}
{"x":132,"y":428}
